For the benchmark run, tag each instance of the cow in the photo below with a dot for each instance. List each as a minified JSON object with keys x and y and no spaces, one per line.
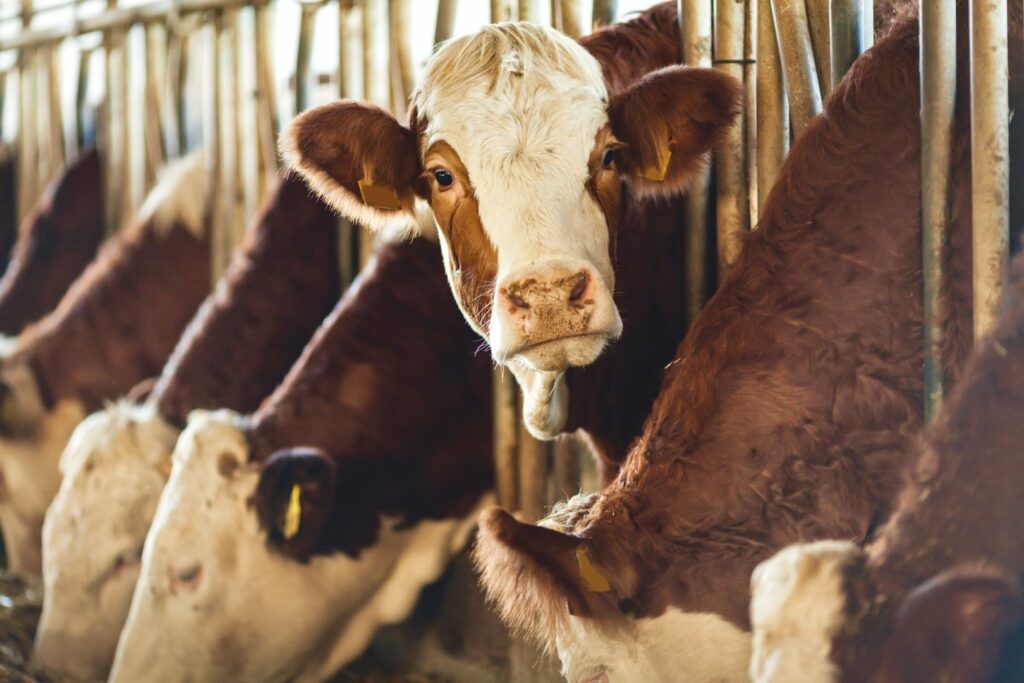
{"x":282,"y":283}
{"x":59,"y":239}
{"x":114,"y":327}
{"x":937,"y":595}
{"x":529,"y":157}
{"x":785,"y":417}
{"x":329,"y":508}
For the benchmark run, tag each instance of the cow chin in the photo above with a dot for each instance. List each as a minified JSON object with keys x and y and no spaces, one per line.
{"x":559,"y":354}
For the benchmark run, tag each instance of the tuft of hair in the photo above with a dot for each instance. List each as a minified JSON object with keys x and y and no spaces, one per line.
{"x":94,"y":439}
{"x":181,"y":196}
{"x":501,"y":54}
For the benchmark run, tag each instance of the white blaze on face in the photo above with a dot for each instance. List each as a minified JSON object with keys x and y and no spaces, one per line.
{"x":29,"y":475}
{"x":797,"y":607}
{"x":214,"y":603}
{"x":676,"y":646}
{"x":114,"y":468}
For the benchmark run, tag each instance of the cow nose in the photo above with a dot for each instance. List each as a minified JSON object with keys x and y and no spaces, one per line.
{"x":566,"y":290}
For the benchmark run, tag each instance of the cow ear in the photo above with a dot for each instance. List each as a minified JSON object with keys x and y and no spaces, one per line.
{"x":668,"y":121}
{"x":952,"y":628}
{"x":294,"y":499}
{"x":537,"y":577}
{"x":361,"y":161}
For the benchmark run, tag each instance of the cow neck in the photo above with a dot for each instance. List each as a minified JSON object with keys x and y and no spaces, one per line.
{"x":789,"y":406}
{"x":394,"y":389}
{"x":279,"y":288}
{"x":61,"y":238}
{"x":119,"y":322}
{"x":8,"y":206}
{"x":629,"y":50}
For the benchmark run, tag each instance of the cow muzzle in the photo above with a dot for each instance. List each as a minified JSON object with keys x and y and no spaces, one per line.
{"x":553,"y":317}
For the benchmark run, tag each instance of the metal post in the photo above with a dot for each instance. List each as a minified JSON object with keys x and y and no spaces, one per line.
{"x":848,"y":39}
{"x":27,"y":144}
{"x":401,"y":55}
{"x":772,"y":107}
{"x":156,"y":154}
{"x":501,"y":10}
{"x":82,"y":95}
{"x":506,"y":465}
{"x":266,"y":103}
{"x":571,"y":16}
{"x":751,"y":201}
{"x":990,"y":156}
{"x":54,"y":118}
{"x":566,"y":465}
{"x":818,"y":22}
{"x":303,"y":54}
{"x":529,"y":11}
{"x":533,"y":474}
{"x":445,"y":20}
{"x":348,"y":257}
{"x":938,"y":99}
{"x":605,"y":12}
{"x":375,"y":80}
{"x":174,"y":112}
{"x":695,"y":34}
{"x":798,"y":61}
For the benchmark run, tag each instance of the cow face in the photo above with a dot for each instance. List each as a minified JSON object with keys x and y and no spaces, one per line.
{"x":548,"y":585}
{"x":216,"y":600}
{"x":32,"y":438}
{"x":113,"y":471}
{"x":519,"y":160}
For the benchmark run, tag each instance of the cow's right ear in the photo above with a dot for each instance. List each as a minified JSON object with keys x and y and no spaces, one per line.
{"x":361,"y":161}
{"x":294,"y":499}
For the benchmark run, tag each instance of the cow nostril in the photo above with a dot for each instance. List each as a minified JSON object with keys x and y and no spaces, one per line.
{"x":581,"y":286}
{"x":518,"y":301}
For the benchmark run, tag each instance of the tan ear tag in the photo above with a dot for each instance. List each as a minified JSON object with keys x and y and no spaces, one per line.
{"x":379,"y":196}
{"x":593,"y":579}
{"x":293,"y":515}
{"x":658,"y":172}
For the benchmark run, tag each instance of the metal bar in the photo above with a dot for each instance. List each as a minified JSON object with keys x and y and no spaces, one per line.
{"x":501,"y":10}
{"x":990,"y":156}
{"x":506,"y":455}
{"x":348,"y":256}
{"x":401,"y":54}
{"x":566,"y":465}
{"x":529,"y":11}
{"x":82,"y":95}
{"x":303,"y":55}
{"x":695,"y":36}
{"x":266,"y":105}
{"x":605,"y":12}
{"x":848,"y":38}
{"x":772,"y":107}
{"x":729,"y":158}
{"x":938,"y":100}
{"x":375,"y":82}
{"x":798,"y":61}
{"x":156,"y":154}
{"x":572,"y":18}
{"x":445,"y":24}
{"x":751,"y":201}
{"x":533,"y":474}
{"x":818,"y":22}
{"x":55,"y":118}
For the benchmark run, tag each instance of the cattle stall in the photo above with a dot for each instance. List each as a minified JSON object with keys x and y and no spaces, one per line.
{"x":147,"y":82}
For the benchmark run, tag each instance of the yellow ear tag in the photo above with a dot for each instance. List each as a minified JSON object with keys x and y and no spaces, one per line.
{"x":379,"y":196}
{"x":588,"y":572}
{"x":293,"y":515}
{"x":657,"y":172}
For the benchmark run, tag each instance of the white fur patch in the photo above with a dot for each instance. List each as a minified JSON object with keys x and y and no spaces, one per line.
{"x":181,"y":196}
{"x":797,"y":606}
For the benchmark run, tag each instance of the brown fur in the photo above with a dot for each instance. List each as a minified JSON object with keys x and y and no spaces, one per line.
{"x":280,"y":286}
{"x":793,"y":398}
{"x":120,"y":320}
{"x":390,"y":392}
{"x":631,"y":49}
{"x":60,"y":238}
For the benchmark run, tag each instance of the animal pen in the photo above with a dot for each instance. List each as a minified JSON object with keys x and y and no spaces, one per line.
{"x":147,"y":81}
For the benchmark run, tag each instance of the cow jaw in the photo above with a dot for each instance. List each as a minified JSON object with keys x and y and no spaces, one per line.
{"x":797,"y":606}
{"x":212,"y":597}
{"x":113,"y":468}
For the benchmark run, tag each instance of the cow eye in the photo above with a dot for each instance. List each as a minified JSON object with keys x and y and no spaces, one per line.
{"x":444,"y":178}
{"x":608,"y":158}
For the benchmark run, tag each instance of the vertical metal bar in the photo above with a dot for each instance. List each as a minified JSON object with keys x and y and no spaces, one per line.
{"x":27,"y":148}
{"x":267,"y":115}
{"x":303,"y":54}
{"x":214,"y":141}
{"x":818,"y":22}
{"x":445,"y":24}
{"x":82,"y":95}
{"x":752,"y":201}
{"x":55,"y":118}
{"x":572,"y":18}
{"x":772,"y":107}
{"x":566,"y":465}
{"x":533,"y":474}
{"x":401,"y":55}
{"x":695,"y":35}
{"x":118,"y":140}
{"x":798,"y":61}
{"x":348,"y":258}
{"x":528,"y":11}
{"x":848,"y":39}
{"x":177,"y":72}
{"x":156,"y":154}
{"x":938,"y":99}
{"x":729,"y":159}
{"x":375,"y":81}
{"x":501,"y":10}
{"x":990,"y":156}
{"x":506,"y":465}
{"x":605,"y":12}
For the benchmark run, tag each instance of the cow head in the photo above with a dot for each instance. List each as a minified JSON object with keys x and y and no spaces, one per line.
{"x":558,"y":588}
{"x":113,"y":469}
{"x":519,"y":160}
{"x":216,"y":599}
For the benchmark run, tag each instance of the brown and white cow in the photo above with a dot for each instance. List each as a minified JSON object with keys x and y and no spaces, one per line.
{"x":785,"y":416}
{"x":282,"y":283}
{"x":936,"y":595}
{"x":530,"y":156}
{"x":282,"y":541}
{"x":115,"y":327}
{"x":60,"y":238}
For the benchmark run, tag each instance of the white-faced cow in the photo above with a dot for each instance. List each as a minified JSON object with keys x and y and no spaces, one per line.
{"x":937,"y":595}
{"x":282,"y":541}
{"x":243,"y":340}
{"x":59,"y":239}
{"x":530,"y":156}
{"x":785,"y":417}
{"x":115,"y":327}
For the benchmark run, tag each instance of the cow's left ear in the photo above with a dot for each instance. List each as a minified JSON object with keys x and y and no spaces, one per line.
{"x":668,"y":121}
{"x":952,"y":628}
{"x":361,"y":161}
{"x":294,"y":498}
{"x":537,"y":577}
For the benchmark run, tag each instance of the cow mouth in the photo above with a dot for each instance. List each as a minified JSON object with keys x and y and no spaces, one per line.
{"x":555,"y":355}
